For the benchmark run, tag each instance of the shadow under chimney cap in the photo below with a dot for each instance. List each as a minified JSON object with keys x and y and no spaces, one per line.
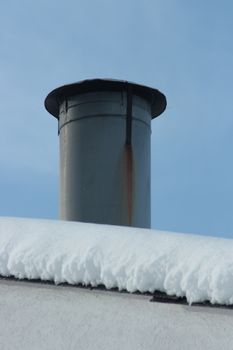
{"x":155,"y":97}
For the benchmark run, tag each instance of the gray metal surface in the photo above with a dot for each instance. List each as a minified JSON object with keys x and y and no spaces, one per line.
{"x":36,"y":316}
{"x":105,"y":150}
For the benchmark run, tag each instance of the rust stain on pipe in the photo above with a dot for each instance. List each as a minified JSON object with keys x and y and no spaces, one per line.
{"x":129,"y":181}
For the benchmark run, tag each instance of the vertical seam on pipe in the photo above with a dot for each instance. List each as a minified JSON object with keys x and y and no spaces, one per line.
{"x":58,"y":128}
{"x":128,"y":140}
{"x":129,"y":154}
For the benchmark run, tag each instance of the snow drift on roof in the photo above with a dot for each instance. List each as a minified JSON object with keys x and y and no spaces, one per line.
{"x":198,"y":267}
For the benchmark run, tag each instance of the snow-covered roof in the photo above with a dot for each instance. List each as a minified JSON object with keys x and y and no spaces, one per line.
{"x":45,"y":316}
{"x":197,"y":267}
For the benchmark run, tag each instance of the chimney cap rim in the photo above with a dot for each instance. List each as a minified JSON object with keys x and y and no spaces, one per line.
{"x":155,"y":97}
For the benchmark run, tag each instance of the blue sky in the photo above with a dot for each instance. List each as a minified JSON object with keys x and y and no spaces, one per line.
{"x":183,"y":48}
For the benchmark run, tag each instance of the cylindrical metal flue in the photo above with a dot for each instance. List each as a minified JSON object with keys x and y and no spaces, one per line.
{"x":105,"y":129}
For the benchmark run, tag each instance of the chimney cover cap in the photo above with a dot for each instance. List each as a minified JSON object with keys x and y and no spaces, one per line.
{"x":155,"y":97}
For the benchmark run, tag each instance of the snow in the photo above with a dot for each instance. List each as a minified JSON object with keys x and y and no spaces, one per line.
{"x":198,"y":267}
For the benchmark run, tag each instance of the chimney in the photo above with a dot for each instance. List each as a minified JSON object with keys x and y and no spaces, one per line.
{"x":104,"y":128}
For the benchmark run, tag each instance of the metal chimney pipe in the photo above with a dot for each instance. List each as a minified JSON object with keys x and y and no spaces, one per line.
{"x":105,"y":129}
